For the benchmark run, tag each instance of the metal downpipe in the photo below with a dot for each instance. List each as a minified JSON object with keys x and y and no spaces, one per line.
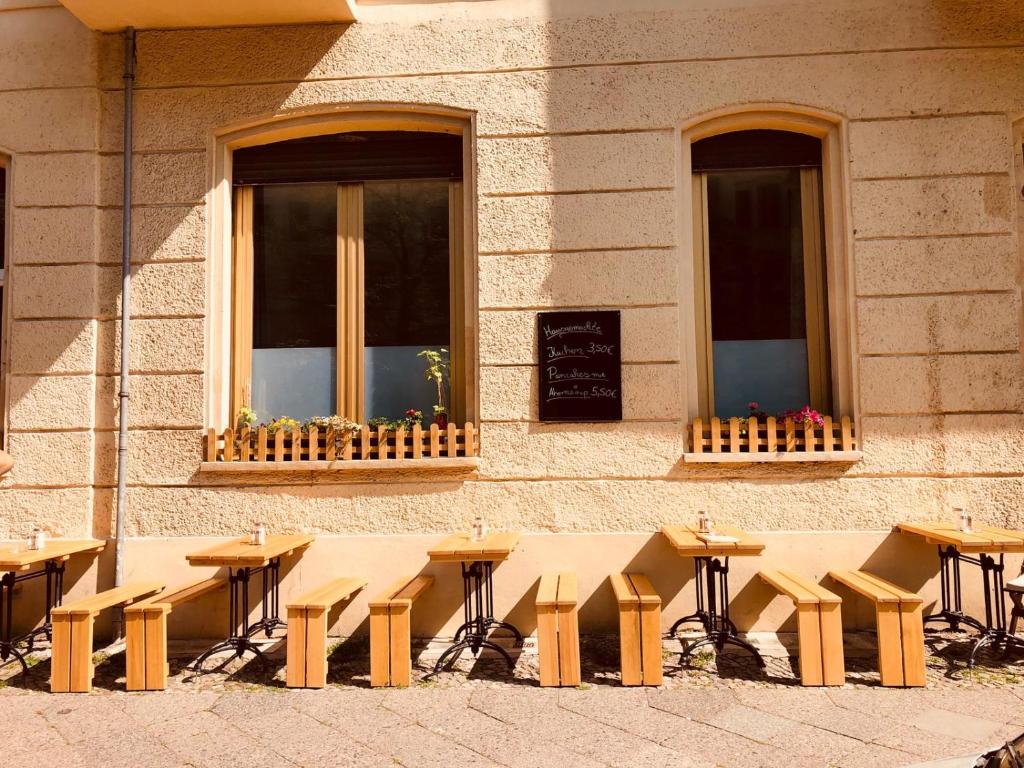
{"x":126,"y":295}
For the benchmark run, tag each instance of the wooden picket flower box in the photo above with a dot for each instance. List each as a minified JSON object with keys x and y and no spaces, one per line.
{"x":258,"y":446}
{"x":764,"y":440}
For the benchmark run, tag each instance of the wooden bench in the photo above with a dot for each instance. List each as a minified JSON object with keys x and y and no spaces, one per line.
{"x":639,"y":629}
{"x":819,"y":627}
{"x":558,"y":630}
{"x":71,"y":666}
{"x":390,"y":639}
{"x":145,"y":628}
{"x":307,"y":631}
{"x":899,"y":625}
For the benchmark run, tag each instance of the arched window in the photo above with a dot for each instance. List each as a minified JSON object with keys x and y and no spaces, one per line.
{"x":762,"y":266}
{"x":770,"y":306}
{"x":348,"y":264}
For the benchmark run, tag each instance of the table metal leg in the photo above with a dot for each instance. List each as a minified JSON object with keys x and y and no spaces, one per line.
{"x":478,"y":617}
{"x":719,"y":628}
{"x":994,"y":632}
{"x":701,"y":613}
{"x":950,"y":590}
{"x":53,"y":572}
{"x":240,"y":630}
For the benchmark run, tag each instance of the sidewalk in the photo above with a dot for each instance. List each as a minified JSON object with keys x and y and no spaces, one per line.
{"x":480,"y":716}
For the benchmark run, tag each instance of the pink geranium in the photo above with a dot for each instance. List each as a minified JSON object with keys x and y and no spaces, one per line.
{"x":806,"y":416}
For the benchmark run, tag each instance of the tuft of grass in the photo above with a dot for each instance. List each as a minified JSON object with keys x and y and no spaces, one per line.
{"x":702,"y":659}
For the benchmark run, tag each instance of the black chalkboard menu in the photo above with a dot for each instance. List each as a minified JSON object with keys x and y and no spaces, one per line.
{"x":580,"y":357}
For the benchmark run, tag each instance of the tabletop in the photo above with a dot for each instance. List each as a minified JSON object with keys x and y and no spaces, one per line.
{"x":687,"y":542}
{"x":982,"y":538}
{"x":20,"y":558}
{"x":460,"y":548}
{"x":239,"y":553}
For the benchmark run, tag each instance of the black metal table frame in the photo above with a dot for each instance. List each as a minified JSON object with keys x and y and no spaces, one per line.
{"x":53,"y":572}
{"x":713,"y":610}
{"x":478,"y":612}
{"x":993,"y":629}
{"x":242,"y":642}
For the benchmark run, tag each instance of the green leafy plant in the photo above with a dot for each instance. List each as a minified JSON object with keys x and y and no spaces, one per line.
{"x":285,"y":423}
{"x":246,"y":417}
{"x":438,"y":370}
{"x":339,"y":424}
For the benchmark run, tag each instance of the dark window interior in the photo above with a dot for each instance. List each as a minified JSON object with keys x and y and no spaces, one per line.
{"x":406,"y":263}
{"x":295,"y":266}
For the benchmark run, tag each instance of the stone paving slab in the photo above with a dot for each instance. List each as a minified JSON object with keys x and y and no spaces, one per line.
{"x":714,"y":712}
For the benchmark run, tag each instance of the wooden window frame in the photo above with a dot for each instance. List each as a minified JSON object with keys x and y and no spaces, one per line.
{"x":837,"y":238}
{"x":6,"y":211}
{"x":350,"y":292}
{"x":220,"y":387}
{"x":815,"y":300}
{"x":222,"y":392}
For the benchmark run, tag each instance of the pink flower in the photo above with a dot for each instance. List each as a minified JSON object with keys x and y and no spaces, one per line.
{"x":753,"y":405}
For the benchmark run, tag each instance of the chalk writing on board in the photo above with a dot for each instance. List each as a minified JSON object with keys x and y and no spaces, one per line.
{"x":580,"y":366}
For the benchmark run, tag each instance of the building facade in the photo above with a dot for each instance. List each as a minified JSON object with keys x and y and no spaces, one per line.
{"x":591,"y":158}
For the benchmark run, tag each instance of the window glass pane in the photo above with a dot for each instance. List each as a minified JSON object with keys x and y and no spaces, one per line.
{"x":294,"y":304}
{"x":758,"y":326}
{"x":406,"y":292}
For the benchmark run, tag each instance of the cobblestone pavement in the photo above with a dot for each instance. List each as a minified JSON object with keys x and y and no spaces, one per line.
{"x":723,"y":712}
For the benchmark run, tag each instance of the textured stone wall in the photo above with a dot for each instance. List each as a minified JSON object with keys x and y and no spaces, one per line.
{"x":577,"y":154}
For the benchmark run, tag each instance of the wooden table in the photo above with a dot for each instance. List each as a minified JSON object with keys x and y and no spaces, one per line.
{"x":477,"y":559}
{"x":242,"y":560}
{"x":16,"y":564}
{"x":990,"y":544}
{"x":711,"y":565}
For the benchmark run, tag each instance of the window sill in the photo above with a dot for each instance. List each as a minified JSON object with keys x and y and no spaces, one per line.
{"x":365,"y":470}
{"x":848,"y":457}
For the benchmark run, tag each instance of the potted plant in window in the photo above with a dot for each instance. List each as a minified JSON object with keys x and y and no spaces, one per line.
{"x":437,"y":371}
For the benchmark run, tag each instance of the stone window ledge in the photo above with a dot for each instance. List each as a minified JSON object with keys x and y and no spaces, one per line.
{"x":366,"y":470}
{"x":848,"y":457}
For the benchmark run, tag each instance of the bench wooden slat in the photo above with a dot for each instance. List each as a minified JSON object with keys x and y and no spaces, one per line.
{"x":413,"y":589}
{"x":798,"y":588}
{"x":787,"y":586}
{"x":383,"y":600}
{"x":854,"y":581}
{"x":547,"y":592}
{"x":568,"y":589}
{"x":903,"y":595}
{"x":169,"y":598}
{"x":623,"y":589}
{"x":326,"y":595}
{"x":100,"y":601}
{"x":644,"y":589}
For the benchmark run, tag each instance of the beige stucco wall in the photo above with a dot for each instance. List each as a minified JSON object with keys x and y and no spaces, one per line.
{"x":577,"y":114}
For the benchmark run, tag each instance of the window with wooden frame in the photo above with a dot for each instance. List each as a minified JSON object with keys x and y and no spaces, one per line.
{"x":760,"y":275}
{"x":4,"y":230}
{"x":348,"y":262}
